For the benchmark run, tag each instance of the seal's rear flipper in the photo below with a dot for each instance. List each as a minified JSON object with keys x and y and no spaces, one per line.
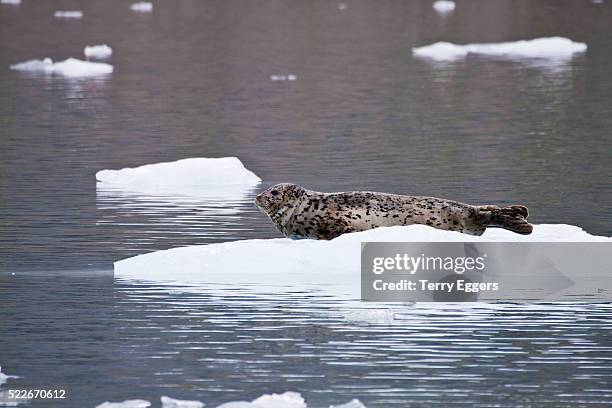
{"x":512,"y":218}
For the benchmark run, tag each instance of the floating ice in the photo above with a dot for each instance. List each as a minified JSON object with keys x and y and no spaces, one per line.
{"x":71,"y":67}
{"x":286,"y":400}
{"x":283,"y":77}
{"x":168,"y":402}
{"x":185,"y":173}
{"x":12,"y":2}
{"x":342,"y":6}
{"x":142,"y":6}
{"x":444,"y":6}
{"x":332,"y":266}
{"x":98,"y":51}
{"x":3,"y":377}
{"x":137,"y":403}
{"x":68,"y":14}
{"x":545,"y":48}
{"x":355,"y":403}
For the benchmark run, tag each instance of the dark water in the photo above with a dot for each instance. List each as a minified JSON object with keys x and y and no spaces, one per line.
{"x":193,"y":79}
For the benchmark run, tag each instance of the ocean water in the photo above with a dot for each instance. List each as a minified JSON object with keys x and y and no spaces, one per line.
{"x":193,"y":78}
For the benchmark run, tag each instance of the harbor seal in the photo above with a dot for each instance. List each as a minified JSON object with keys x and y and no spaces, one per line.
{"x":301,"y":213}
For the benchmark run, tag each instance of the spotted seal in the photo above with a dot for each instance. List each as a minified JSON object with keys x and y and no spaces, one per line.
{"x":301,"y":213}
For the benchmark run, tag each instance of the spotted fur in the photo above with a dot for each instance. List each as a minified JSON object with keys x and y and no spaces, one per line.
{"x":301,"y":213}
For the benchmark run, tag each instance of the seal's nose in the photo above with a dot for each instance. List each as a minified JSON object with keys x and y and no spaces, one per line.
{"x":258,"y":199}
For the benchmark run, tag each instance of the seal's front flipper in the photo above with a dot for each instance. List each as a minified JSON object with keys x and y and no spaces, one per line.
{"x":512,"y":218}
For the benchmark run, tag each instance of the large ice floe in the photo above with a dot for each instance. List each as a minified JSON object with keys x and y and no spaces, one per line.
{"x":70,"y":67}
{"x":98,"y":51}
{"x":185,"y":174}
{"x":68,"y":14}
{"x":332,"y":266}
{"x":552,"y":48}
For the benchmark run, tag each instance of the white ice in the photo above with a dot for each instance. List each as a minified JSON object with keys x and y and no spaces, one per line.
{"x":137,"y":403}
{"x":286,"y":400}
{"x":283,"y":77}
{"x":71,"y":67}
{"x":186,"y":174}
{"x":444,"y":6}
{"x":332,"y":266}
{"x":13,"y":2}
{"x":168,"y":402}
{"x":68,"y":14}
{"x":142,"y":6}
{"x":355,"y":403}
{"x":554,"y":48}
{"x":98,"y":51}
{"x":4,"y":377}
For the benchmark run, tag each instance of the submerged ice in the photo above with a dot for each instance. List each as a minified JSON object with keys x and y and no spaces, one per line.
{"x":543,"y":48}
{"x":70,"y":67}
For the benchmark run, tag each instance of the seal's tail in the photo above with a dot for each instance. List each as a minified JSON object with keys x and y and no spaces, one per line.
{"x":513,"y":218}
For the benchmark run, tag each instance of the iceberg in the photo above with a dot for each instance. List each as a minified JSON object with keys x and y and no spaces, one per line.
{"x":553,"y":48}
{"x":168,"y":402}
{"x":444,"y":6}
{"x":68,"y":14}
{"x":332,"y":266}
{"x":181,"y":174}
{"x":137,"y":403}
{"x":142,"y":6}
{"x":98,"y":51}
{"x":71,"y":67}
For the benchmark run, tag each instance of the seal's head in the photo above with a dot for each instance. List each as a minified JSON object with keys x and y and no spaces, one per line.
{"x":278,"y":197}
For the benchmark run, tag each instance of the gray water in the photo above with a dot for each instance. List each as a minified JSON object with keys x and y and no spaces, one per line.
{"x":193,"y":79}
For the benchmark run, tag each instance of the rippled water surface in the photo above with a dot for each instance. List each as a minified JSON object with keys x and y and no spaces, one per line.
{"x":193,"y":79}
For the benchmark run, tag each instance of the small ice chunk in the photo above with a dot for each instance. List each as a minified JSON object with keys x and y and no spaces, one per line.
{"x":444,"y":6}
{"x":68,"y":14}
{"x":12,"y":2}
{"x":197,"y":171}
{"x":547,"y":48}
{"x":342,"y":6}
{"x":98,"y":51}
{"x":71,"y":67}
{"x":354,"y":403}
{"x":142,"y":7}
{"x":376,"y":316}
{"x":283,"y":77}
{"x":286,"y":400}
{"x":597,"y":1}
{"x":137,"y":403}
{"x":168,"y":402}
{"x":3,"y":377}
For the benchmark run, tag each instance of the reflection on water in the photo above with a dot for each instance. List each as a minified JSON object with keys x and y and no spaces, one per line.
{"x":219,"y":345}
{"x":214,"y":212}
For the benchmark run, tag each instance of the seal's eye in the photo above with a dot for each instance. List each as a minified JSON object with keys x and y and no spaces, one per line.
{"x":274,"y":192}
